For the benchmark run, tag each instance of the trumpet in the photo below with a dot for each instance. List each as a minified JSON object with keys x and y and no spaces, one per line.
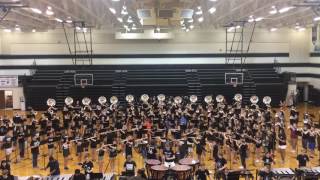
{"x":161,"y":97}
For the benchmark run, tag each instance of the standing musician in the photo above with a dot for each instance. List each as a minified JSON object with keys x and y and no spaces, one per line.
{"x":169,"y":155}
{"x":220,"y":166}
{"x":53,"y":166}
{"x":87,"y":166}
{"x":35,"y":143}
{"x":66,"y":153}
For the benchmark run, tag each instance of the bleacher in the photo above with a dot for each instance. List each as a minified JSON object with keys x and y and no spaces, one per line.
{"x":201,"y":80}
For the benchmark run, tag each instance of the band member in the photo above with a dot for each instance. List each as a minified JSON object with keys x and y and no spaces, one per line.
{"x":282,"y":140}
{"x":129,"y":166}
{"x":50,"y":141}
{"x":5,"y":166}
{"x":169,"y":156}
{"x":265,"y":173}
{"x":302,"y":160}
{"x":220,"y":165}
{"x":243,"y":150}
{"x":78,"y":175}
{"x":152,"y":150}
{"x":101,"y":152}
{"x":87,"y":166}
{"x":7,"y":145}
{"x":66,"y":153}
{"x":113,"y":152}
{"x":293,"y":136}
{"x":21,"y":142}
{"x":35,"y":143}
{"x":202,"y":173}
{"x":53,"y":166}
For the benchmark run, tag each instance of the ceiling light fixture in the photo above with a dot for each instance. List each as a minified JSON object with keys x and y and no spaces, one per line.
{"x":200,"y":19}
{"x":34,"y":30}
{"x":69,"y":20}
{"x":231,"y":29}
{"x":18,"y":29}
{"x":316,"y":18}
{"x":238,"y":27}
{"x":286,"y":9}
{"x":301,"y":29}
{"x":124,"y":10}
{"x":273,"y":29}
{"x":120,"y":19}
{"x":251,"y":19}
{"x":49,"y":11}
{"x":37,"y":11}
{"x":190,"y":20}
{"x":7,"y":30}
{"x":199,"y":12}
{"x":212,"y":10}
{"x":134,"y":27}
{"x":191,"y":26}
{"x":130,"y":20}
{"x":259,"y":19}
{"x":112,"y":10}
{"x":59,"y":20}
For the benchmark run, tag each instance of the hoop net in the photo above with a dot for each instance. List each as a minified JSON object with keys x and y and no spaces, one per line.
{"x":234,"y":84}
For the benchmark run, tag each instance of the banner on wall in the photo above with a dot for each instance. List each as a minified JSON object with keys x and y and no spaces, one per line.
{"x":8,"y":81}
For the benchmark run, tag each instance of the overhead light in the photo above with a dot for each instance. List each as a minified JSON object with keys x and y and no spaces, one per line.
{"x":112,"y":10}
{"x":115,"y":0}
{"x":212,"y":10}
{"x":124,"y":10}
{"x":183,"y":28}
{"x":251,"y":19}
{"x":7,"y":30}
{"x":120,"y":19}
{"x":213,"y":0}
{"x":59,"y":20}
{"x":134,"y":27}
{"x":285,"y":9}
{"x":18,"y":29}
{"x":187,"y":30}
{"x":69,"y":20}
{"x":316,"y":18}
{"x":141,"y":21}
{"x":158,"y":29}
{"x":230,"y":29}
{"x":130,"y":20}
{"x":37,"y":11}
{"x":198,"y":12}
{"x":301,"y":29}
{"x":181,"y":22}
{"x":199,"y":7}
{"x":238,"y":27}
{"x":273,"y":29}
{"x":274,"y":11}
{"x":191,"y":26}
{"x":259,"y":19}
{"x":49,"y":11}
{"x":85,"y":29}
{"x":34,"y":30}
{"x":190,"y":20}
{"x":200,"y":19}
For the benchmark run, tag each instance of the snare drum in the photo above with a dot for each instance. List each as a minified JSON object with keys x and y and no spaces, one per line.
{"x":150,"y":163}
{"x":183,"y":171}
{"x":158,"y":172}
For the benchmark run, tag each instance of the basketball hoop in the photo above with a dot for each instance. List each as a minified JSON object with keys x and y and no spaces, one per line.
{"x":234,"y":84}
{"x":83,"y":83}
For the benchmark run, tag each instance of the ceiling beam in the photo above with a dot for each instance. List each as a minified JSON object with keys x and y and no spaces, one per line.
{"x":88,"y":11}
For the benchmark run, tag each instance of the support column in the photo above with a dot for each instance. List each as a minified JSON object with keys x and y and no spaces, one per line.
{"x":306,"y":93}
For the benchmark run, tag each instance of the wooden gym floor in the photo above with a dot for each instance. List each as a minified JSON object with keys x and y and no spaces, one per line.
{"x":24,"y":167}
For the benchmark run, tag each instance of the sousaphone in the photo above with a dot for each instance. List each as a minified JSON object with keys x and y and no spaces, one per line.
{"x":178,"y":100}
{"x":220,"y":98}
{"x":193,"y":98}
{"x":144,"y":98}
{"x":254,"y":99}
{"x":68,"y":101}
{"x":114,"y":100}
{"x":129,"y":98}
{"x":161,"y":97}
{"x":267,"y":100}
{"x":238,"y":97}
{"x":51,"y":102}
{"x":86,"y":101}
{"x":102,"y":100}
{"x":208,"y":99}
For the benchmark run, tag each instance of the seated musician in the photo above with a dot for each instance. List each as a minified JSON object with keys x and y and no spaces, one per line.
{"x":6,"y":176}
{"x":221,"y":165}
{"x":202,"y":173}
{"x":265,"y":173}
{"x":302,"y":159}
{"x":87,"y":165}
{"x":5,"y":166}
{"x":53,"y":166}
{"x":129,"y":166}
{"x":169,"y":156}
{"x":267,"y":159}
{"x":78,"y":175}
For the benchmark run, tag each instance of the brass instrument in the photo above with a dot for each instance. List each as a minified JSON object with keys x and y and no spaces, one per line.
{"x":238,"y":97}
{"x":68,"y":101}
{"x":161,"y":97}
{"x":267,"y":100}
{"x":144,"y":98}
{"x":102,"y":100}
{"x":254,"y":99}
{"x":129,"y":98}
{"x":51,"y":102}
{"x":178,"y":100}
{"x":114,"y":100}
{"x":220,"y":98}
{"x":86,"y":101}
{"x":193,"y":98}
{"x":208,"y":99}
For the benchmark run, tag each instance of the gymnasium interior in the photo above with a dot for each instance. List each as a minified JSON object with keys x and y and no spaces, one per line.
{"x":181,"y":66}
